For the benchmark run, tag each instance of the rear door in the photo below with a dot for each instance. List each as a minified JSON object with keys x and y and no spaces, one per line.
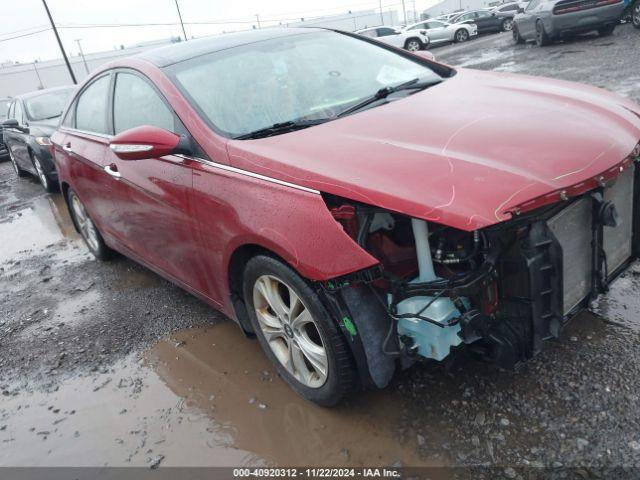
{"x":81,"y":144}
{"x":154,"y":221}
{"x":527,"y":21}
{"x":487,"y":21}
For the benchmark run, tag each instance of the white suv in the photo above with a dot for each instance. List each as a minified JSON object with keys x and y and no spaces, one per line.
{"x":413,"y":41}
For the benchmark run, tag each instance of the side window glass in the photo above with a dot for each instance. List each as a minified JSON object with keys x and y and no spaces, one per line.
{"x":136,"y":103}
{"x":532,"y":5}
{"x":11,"y":110}
{"x":369,"y":33}
{"x":91,"y":107}
{"x":18,"y":113}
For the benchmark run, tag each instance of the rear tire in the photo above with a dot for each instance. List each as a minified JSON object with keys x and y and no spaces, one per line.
{"x":87,"y":229}
{"x":635,"y":14}
{"x":413,"y":44}
{"x":606,"y":31}
{"x":461,"y":35}
{"x":507,"y":25}
{"x":516,"y":35}
{"x":297,"y":333}
{"x":542,"y":39}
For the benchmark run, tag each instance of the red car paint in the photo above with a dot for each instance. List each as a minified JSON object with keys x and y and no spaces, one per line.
{"x":463,"y":153}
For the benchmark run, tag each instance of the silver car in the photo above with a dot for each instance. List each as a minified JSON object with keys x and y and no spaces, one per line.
{"x":441,"y":32}
{"x":547,"y":20}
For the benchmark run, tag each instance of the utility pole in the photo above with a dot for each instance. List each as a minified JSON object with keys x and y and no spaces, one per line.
{"x":404,"y":12}
{"x":381,"y":14}
{"x":181,"y":23}
{"x":55,"y":31}
{"x":40,"y":85}
{"x":77,"y":40}
{"x":258,"y":20}
{"x":415,"y":12}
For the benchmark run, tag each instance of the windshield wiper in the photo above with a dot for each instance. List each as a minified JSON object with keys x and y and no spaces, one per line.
{"x":284,"y":127}
{"x":414,"y":84}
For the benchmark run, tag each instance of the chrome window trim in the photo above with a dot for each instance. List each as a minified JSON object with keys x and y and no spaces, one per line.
{"x":86,"y":132}
{"x":246,"y":173}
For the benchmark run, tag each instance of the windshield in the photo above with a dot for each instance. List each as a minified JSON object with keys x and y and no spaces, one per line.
{"x":307,"y":76}
{"x":4,"y":108}
{"x":46,"y":106}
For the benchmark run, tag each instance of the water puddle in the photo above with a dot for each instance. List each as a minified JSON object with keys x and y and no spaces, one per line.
{"x":227,"y":376}
{"x":34,"y":228}
{"x":621,"y":305}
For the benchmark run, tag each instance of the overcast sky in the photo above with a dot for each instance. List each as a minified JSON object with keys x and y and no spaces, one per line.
{"x":26,"y":16}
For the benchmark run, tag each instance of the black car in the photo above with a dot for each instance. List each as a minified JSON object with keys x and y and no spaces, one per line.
{"x":486,"y":20}
{"x":32,"y":118}
{"x":4,"y":109}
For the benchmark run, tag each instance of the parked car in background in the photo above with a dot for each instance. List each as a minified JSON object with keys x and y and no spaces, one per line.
{"x":358,"y":207}
{"x":4,"y":110}
{"x":447,"y":16}
{"x":507,"y":11}
{"x":409,"y":40}
{"x":486,"y":21}
{"x":635,"y":13}
{"x":32,"y":118}
{"x":443,"y":32}
{"x":548,"y":20}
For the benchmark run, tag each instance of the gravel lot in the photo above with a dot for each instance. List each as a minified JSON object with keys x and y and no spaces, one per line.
{"x":108,"y":364}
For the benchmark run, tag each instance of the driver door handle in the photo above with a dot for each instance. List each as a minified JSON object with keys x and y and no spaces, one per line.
{"x":112,"y":170}
{"x":67,"y":148}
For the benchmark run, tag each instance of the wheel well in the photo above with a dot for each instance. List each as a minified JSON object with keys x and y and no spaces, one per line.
{"x":406,"y":42}
{"x":239,"y":259}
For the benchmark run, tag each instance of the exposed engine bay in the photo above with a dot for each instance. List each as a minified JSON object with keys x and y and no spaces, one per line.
{"x":499,"y":291}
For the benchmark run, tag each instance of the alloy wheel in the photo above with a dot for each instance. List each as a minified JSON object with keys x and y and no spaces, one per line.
{"x":290,"y":331}
{"x":507,"y":25}
{"x":462,"y":36}
{"x":41,"y":175}
{"x":413,"y":45}
{"x":635,"y":17}
{"x":84,"y":223}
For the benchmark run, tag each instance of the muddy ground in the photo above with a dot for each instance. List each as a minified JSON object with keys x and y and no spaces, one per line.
{"x":108,"y":364}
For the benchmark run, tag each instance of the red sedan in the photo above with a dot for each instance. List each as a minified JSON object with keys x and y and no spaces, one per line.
{"x":356,"y":206}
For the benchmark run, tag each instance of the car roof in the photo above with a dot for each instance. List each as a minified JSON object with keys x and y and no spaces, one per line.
{"x":178,"y":52}
{"x":37,"y":93}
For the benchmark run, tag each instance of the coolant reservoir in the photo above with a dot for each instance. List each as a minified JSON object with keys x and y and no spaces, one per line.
{"x":433,"y":341}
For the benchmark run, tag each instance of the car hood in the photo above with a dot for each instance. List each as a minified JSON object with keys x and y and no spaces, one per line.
{"x":463,"y":153}
{"x":44,"y":128}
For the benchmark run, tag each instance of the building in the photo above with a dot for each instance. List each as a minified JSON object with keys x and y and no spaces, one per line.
{"x":17,"y":78}
{"x":27,"y":77}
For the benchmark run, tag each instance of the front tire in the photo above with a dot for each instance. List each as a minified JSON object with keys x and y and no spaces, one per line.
{"x":45,"y":181}
{"x":635,"y":14}
{"x":413,"y":45}
{"x":542,"y":38}
{"x":87,"y":228}
{"x":461,"y":35}
{"x":507,"y":24}
{"x":297,"y":333}
{"x":516,"y":35}
{"x":16,"y":168}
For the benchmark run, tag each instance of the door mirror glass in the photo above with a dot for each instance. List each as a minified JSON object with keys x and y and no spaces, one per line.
{"x":144,"y":142}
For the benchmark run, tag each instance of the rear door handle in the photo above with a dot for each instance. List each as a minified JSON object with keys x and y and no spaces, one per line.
{"x":112,"y":170}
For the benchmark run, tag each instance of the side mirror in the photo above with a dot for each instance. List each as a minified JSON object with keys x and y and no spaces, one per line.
{"x":520,"y":10}
{"x":11,"y":123}
{"x":494,"y":14}
{"x":144,"y":142}
{"x":424,"y":54}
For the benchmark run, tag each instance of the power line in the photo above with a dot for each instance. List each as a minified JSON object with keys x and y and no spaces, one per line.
{"x":25,"y":35}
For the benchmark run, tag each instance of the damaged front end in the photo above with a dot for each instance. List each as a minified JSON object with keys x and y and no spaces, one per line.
{"x":499,"y":291}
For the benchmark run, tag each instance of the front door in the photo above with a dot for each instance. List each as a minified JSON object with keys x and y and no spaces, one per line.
{"x":16,"y":138}
{"x":154,"y":219}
